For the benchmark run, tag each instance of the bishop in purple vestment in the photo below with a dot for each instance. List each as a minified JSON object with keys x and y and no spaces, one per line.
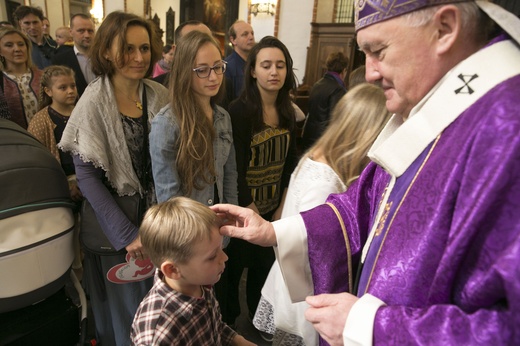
{"x":428,"y":238}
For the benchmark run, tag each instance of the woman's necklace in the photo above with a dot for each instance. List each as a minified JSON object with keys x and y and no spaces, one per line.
{"x":138,"y":103}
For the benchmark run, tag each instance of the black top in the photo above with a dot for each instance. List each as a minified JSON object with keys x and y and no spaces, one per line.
{"x":324,"y":96}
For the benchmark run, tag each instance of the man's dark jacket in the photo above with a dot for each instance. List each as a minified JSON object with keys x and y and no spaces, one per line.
{"x":324,"y":95}
{"x":67,"y":57}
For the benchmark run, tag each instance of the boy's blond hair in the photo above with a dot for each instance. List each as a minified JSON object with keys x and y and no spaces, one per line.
{"x":170,"y":229}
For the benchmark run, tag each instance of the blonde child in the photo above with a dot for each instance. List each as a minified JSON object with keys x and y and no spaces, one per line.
{"x":58,"y":95}
{"x":57,"y":98}
{"x":182,"y":238}
{"x":63,"y":36}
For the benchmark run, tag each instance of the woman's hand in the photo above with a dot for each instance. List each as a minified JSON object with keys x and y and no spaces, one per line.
{"x":136,"y":250}
{"x":75,"y":192}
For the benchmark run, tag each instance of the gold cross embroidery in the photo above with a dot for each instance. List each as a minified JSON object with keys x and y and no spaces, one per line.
{"x":382,"y":220}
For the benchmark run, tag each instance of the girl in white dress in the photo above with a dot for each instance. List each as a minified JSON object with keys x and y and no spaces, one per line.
{"x":329,"y":166}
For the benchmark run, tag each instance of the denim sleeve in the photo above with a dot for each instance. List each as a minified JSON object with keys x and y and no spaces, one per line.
{"x":163,"y":152}
{"x":230,"y":178}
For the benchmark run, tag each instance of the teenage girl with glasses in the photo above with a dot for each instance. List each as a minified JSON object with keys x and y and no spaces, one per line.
{"x":191,"y":141}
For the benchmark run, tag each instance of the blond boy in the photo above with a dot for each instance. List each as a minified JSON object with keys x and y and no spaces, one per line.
{"x":182,"y":238}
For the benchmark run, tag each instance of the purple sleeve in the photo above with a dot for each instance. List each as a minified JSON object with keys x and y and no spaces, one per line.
{"x":329,"y":252}
{"x":119,"y":230}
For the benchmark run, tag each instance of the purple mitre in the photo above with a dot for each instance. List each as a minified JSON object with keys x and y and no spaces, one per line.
{"x":368,"y":12}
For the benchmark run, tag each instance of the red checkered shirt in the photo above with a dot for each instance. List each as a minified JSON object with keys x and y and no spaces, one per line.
{"x":167,"y":317}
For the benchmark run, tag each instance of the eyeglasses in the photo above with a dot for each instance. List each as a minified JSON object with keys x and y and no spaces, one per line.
{"x":205,"y":71}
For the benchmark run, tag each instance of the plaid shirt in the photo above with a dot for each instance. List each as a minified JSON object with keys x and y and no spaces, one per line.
{"x":167,"y":317}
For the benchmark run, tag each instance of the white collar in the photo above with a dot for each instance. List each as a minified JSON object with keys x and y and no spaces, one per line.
{"x":506,"y":20}
{"x":400,"y":143}
{"x":77,"y":52}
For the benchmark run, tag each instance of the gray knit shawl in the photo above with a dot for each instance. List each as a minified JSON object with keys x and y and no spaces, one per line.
{"x":95,"y":132}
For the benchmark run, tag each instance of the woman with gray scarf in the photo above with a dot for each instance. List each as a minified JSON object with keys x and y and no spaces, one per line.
{"x":107,"y":135}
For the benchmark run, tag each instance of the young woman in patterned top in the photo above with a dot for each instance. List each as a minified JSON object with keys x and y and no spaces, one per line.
{"x":263,"y":130}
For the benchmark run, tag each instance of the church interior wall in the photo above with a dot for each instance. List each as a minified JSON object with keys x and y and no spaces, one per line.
{"x":291,"y":25}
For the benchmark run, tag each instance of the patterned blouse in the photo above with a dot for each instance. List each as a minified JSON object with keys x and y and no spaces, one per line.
{"x":269,"y":150}
{"x":265,"y":160}
{"x":133,"y":129}
{"x":29,"y":99}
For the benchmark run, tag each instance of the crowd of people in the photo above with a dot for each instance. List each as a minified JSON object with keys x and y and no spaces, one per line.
{"x":397,"y":224}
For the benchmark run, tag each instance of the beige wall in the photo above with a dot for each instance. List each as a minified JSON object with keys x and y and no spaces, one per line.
{"x":294,"y":19}
{"x":160,"y":7}
{"x":325,"y":11}
{"x":135,"y":6}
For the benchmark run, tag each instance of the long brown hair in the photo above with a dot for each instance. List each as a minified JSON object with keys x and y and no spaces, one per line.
{"x":356,"y":121}
{"x":251,"y":94}
{"x":195,"y":144}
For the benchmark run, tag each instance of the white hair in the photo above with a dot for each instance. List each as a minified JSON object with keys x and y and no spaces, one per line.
{"x":472,"y":23}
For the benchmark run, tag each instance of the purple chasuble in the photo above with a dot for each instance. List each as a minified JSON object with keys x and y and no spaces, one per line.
{"x":398,"y":192}
{"x":446,"y":263}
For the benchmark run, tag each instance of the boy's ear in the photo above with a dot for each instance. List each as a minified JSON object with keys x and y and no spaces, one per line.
{"x":171,"y":270}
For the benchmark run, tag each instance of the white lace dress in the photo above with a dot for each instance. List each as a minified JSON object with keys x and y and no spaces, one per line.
{"x":311,"y":183}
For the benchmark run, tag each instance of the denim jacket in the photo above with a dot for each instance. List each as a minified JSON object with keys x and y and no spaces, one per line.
{"x":163,"y":151}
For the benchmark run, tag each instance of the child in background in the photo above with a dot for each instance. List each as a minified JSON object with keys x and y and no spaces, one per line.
{"x":182,"y":238}
{"x":165,"y":64}
{"x":57,"y":98}
{"x":58,"y":95}
{"x":63,"y":36}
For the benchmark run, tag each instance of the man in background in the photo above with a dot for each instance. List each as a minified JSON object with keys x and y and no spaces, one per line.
{"x":30,"y":20}
{"x":76,"y":57}
{"x":183,"y":29}
{"x":242,"y":37}
{"x":324,"y":95}
{"x":46,"y":28}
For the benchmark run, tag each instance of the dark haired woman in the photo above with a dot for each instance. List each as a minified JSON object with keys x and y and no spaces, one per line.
{"x":263,"y":119}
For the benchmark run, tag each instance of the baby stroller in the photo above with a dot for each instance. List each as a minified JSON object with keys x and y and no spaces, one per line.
{"x":41,"y":300}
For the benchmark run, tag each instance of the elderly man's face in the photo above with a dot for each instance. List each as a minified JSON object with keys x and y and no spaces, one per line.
{"x":401,"y":59}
